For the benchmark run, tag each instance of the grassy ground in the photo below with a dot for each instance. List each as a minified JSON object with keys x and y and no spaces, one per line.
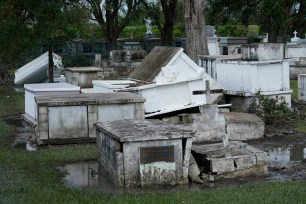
{"x":294,"y":88}
{"x":31,"y":177}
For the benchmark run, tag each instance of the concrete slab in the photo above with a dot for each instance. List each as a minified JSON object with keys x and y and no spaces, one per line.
{"x":239,"y":159}
{"x":243,"y":126}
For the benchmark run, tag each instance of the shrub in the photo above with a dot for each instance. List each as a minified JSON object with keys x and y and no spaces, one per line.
{"x":272,"y":110}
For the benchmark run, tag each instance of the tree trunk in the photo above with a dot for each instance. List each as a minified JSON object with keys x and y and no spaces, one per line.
{"x":167,"y":34}
{"x":169,"y":10}
{"x":272,"y":36}
{"x":51,"y":65}
{"x":196,"y":41}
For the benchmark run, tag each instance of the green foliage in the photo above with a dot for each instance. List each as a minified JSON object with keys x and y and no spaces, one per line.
{"x":275,"y":17}
{"x":15,"y":32}
{"x":178,"y":31}
{"x":222,"y":12}
{"x":90,"y":31}
{"x":237,"y":30}
{"x":138,"y":32}
{"x":272,"y":110}
{"x":57,"y":21}
{"x":301,"y":127}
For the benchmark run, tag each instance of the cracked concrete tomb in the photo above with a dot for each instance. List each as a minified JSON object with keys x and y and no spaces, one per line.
{"x":143,"y":153}
{"x":236,"y":160}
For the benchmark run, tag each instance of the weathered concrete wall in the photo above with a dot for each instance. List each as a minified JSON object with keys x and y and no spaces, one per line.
{"x":71,"y":118}
{"x":60,"y":127}
{"x":243,"y":126}
{"x":209,"y":125}
{"x":133,"y":165}
{"x":262,"y":52}
{"x":294,"y":51}
{"x":246,"y":78}
{"x":243,"y":102}
{"x":296,"y":70}
{"x":83,"y":76}
{"x":302,"y":87}
{"x":111,"y":158}
{"x":152,"y":152}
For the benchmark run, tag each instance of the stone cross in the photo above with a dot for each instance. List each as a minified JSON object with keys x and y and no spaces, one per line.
{"x":295,"y":33}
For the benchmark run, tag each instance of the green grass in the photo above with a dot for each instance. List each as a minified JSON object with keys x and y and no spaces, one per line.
{"x":31,"y":177}
{"x":301,"y":127}
{"x":10,"y":102}
{"x":294,"y":88}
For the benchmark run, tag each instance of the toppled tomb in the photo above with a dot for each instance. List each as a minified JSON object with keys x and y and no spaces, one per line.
{"x":229,"y":160}
{"x":169,"y":81}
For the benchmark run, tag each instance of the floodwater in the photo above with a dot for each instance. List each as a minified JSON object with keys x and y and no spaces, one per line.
{"x":89,"y":175}
{"x":281,"y":157}
{"x":286,"y":163}
{"x":24,"y":130}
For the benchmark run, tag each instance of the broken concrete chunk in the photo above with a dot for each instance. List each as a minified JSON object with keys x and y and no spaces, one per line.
{"x":243,"y":126}
{"x":237,"y":157}
{"x":193,"y":171}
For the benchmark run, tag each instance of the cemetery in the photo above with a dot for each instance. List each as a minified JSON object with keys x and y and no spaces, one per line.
{"x":159,"y":113}
{"x":137,"y":151}
{"x":60,"y":113}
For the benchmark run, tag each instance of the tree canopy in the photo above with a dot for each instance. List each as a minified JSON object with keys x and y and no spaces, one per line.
{"x":112,"y":16}
{"x":15,"y":31}
{"x":278,"y":18}
{"x":25,"y":24}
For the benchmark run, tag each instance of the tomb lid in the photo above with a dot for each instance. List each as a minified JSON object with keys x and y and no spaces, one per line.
{"x":51,"y":87}
{"x":142,"y":130}
{"x":83,"y":69}
{"x":89,"y":99}
{"x":242,"y":118}
{"x":114,"y":83}
{"x":152,"y":64}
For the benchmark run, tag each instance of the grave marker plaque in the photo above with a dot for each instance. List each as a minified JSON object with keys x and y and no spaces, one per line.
{"x":156,"y":154}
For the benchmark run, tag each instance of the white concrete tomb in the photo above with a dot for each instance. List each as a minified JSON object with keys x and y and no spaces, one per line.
{"x":47,"y":89}
{"x":82,"y":76}
{"x":70,"y":118}
{"x":143,"y":153}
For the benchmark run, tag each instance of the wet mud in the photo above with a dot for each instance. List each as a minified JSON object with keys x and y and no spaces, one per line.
{"x":287,"y":162}
{"x":286,"y":149}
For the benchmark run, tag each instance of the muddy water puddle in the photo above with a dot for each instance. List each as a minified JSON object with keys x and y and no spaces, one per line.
{"x":285,"y":164}
{"x":286,"y":156}
{"x":23,"y":133}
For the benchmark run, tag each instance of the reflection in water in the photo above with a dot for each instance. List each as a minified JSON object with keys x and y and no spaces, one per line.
{"x":284,"y":156}
{"x":82,"y":174}
{"x":91,"y":175}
